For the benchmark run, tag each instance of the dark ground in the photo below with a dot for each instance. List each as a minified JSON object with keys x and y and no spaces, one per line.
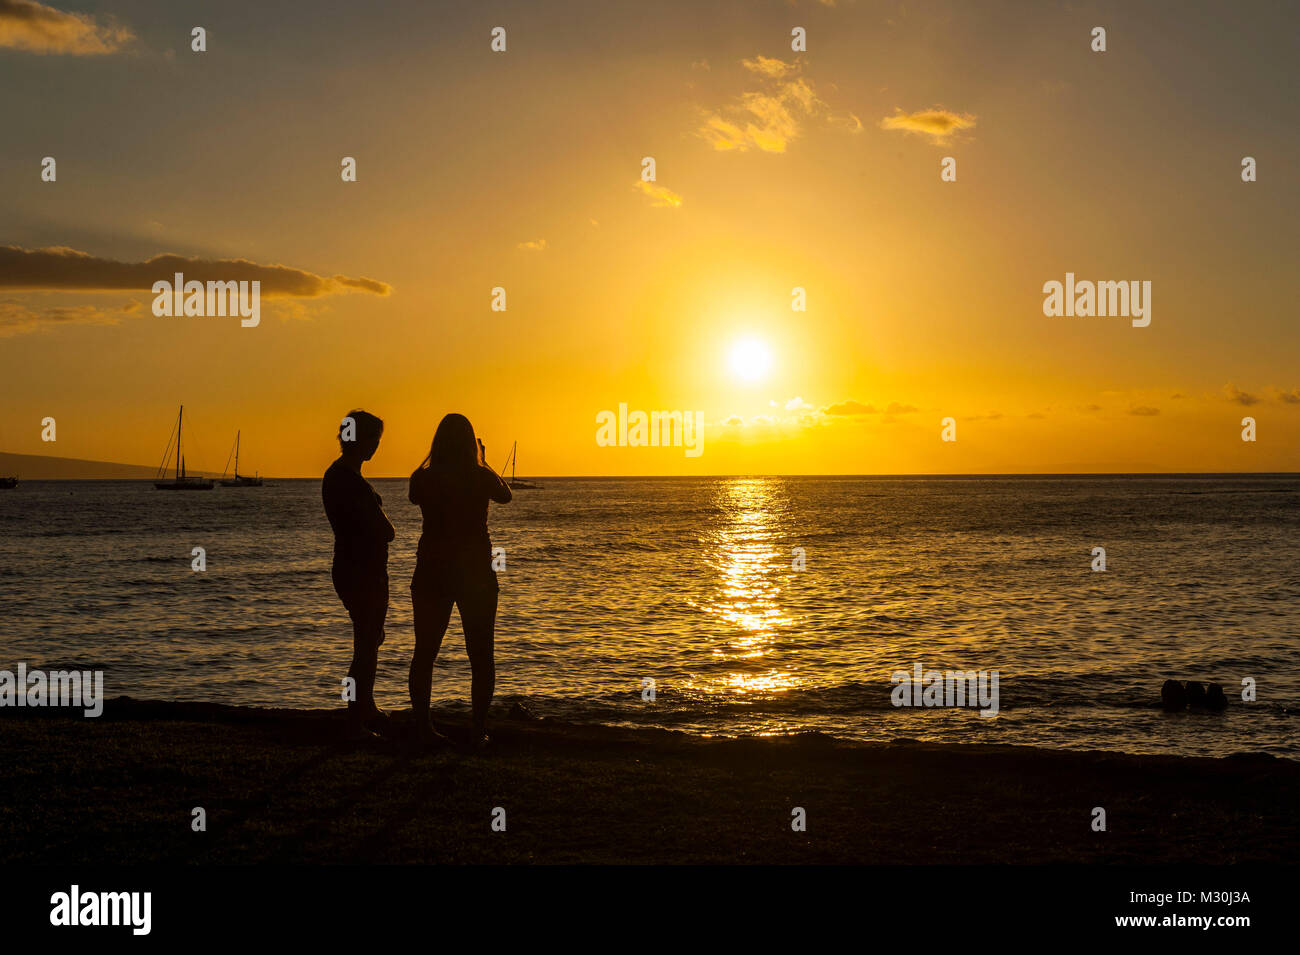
{"x":279,"y":786}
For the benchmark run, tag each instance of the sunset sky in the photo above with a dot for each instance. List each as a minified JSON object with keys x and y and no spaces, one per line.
{"x":775,"y":169}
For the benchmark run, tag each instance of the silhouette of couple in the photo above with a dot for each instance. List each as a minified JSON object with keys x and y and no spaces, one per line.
{"x":452,"y":488}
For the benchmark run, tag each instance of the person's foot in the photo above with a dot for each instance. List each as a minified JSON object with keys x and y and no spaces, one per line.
{"x":479,"y":742}
{"x":426,"y":735}
{"x":357,"y":733}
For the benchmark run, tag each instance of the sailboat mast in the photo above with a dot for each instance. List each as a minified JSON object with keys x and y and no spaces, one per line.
{"x":179,"y":418}
{"x":236,"y":454}
{"x":514,"y":448}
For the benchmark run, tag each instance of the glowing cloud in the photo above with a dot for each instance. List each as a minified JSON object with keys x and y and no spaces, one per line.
{"x":660,"y":196}
{"x":770,"y":119}
{"x":937,"y":123}
{"x":36,"y":28}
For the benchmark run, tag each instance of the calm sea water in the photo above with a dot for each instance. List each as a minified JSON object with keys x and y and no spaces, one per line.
{"x":690,"y":582}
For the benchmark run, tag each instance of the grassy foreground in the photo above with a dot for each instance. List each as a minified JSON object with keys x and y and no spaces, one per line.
{"x":279,"y":786}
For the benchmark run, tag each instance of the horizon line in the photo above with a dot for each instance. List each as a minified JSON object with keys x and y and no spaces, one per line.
{"x":827,"y":474}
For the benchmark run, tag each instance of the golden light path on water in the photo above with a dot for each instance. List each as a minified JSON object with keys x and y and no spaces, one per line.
{"x":744,"y":552}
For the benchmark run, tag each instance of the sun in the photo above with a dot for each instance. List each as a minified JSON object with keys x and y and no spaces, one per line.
{"x":750,"y":359}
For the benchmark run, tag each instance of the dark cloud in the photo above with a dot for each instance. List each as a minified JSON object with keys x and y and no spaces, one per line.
{"x":1233,"y":393}
{"x":67,"y":270}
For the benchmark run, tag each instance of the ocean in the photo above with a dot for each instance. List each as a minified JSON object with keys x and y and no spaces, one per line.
{"x":764,"y":605}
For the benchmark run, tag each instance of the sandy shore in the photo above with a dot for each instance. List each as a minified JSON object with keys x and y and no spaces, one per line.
{"x":279,"y":786}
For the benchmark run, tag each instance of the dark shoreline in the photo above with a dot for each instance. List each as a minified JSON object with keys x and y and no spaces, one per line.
{"x":279,"y":786}
{"x":938,"y":476}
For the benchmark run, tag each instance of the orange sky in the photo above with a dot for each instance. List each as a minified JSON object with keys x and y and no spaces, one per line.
{"x":775,"y":169}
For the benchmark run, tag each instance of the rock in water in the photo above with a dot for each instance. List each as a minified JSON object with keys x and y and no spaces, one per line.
{"x":1195,"y":693}
{"x":1214,"y":697}
{"x":1172,"y":695}
{"x":519,"y":712}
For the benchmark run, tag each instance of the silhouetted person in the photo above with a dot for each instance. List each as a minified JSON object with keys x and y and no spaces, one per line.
{"x":454,"y":565}
{"x":361,"y":535}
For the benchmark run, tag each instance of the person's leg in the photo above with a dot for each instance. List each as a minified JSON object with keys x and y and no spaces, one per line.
{"x":367,"y":618}
{"x":432,"y":611}
{"x":478,"y":612}
{"x":376,"y":615}
{"x":367,"y":633}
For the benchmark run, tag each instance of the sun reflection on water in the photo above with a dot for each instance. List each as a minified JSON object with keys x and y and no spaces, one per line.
{"x":744,"y":553}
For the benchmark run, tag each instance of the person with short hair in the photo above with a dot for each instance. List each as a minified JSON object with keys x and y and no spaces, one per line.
{"x":362,"y":532}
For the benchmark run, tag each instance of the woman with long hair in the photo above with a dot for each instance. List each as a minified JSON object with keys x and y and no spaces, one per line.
{"x":452,"y":488}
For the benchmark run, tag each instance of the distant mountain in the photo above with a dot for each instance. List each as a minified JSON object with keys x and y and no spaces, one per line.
{"x":38,"y":467}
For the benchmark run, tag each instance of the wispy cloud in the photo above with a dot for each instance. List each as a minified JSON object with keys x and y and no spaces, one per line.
{"x":1233,"y":393}
{"x":37,"y":28}
{"x":848,"y":408}
{"x":797,"y":413}
{"x":659,"y":195}
{"x":768,"y":66}
{"x":936,"y":123}
{"x":534,"y":245}
{"x":1144,"y":411}
{"x":770,"y":118}
{"x":64,"y":269}
{"x":19,"y":317}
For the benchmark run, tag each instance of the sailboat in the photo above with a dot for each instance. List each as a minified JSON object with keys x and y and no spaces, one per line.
{"x":514,"y":484}
{"x":181,"y":482}
{"x":240,"y":480}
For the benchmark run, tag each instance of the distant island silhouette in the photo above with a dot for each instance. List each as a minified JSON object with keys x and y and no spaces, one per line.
{"x":39,"y":467}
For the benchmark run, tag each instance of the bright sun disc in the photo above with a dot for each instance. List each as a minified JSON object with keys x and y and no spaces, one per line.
{"x":750,"y":359}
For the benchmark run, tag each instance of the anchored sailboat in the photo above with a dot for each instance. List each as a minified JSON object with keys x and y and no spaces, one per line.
{"x":514,"y":484}
{"x":240,"y":480}
{"x":182,"y":481}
